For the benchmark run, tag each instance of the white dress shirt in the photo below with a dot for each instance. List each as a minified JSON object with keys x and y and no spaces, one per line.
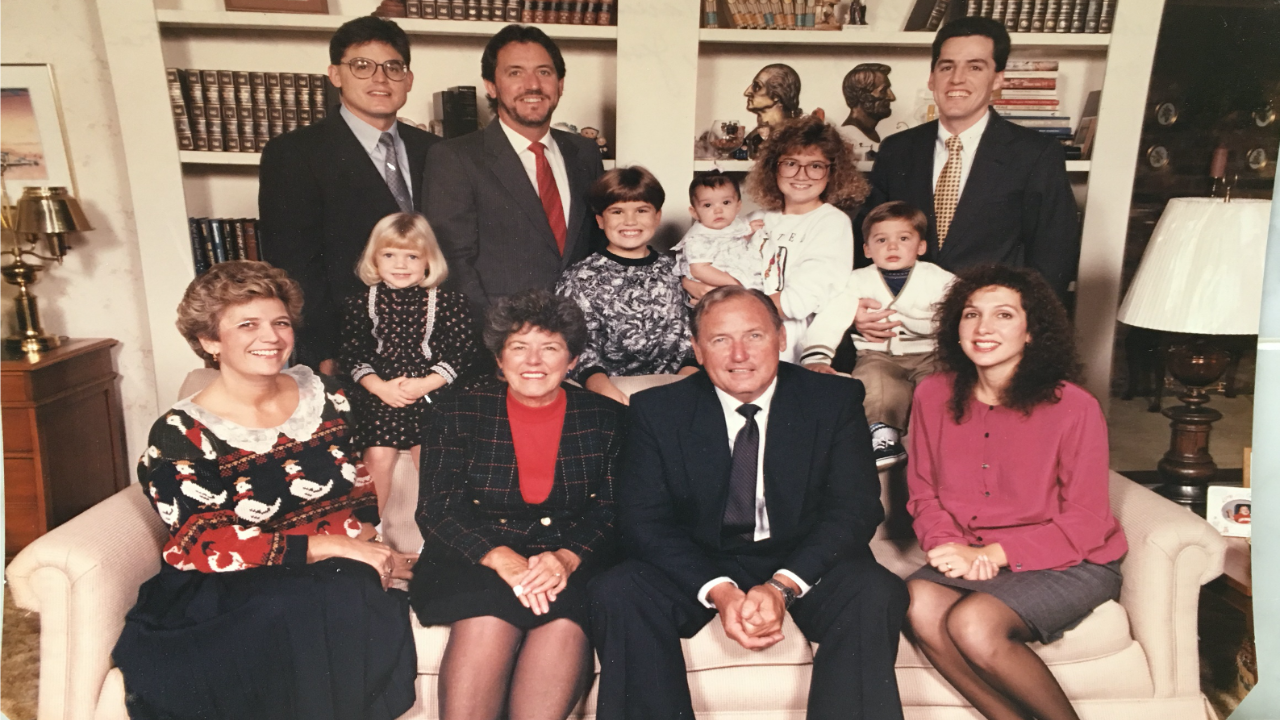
{"x":521,"y":144}
{"x":735,"y":421}
{"x":368,"y":136}
{"x":969,"y":140}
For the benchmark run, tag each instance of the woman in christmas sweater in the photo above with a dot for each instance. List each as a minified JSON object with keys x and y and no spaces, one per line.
{"x":272,"y":600}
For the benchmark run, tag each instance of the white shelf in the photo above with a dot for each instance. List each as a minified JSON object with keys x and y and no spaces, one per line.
{"x":866,"y":36}
{"x":1076,"y":166}
{"x":413,"y":26}
{"x":204,"y":157}
{"x":196,"y":157}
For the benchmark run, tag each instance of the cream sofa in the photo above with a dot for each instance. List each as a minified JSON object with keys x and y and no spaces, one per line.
{"x":1133,"y":659}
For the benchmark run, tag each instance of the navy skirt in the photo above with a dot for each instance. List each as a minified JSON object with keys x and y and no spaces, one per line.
{"x":321,"y":641}
{"x":1050,"y":602}
{"x":443,"y":592}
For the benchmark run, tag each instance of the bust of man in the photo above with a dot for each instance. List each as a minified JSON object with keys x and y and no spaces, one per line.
{"x":868,"y":93}
{"x":773,"y":95}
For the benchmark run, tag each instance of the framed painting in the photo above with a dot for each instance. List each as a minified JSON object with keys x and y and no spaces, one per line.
{"x":33,"y":138}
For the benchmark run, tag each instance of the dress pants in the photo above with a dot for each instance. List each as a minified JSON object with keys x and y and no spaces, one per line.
{"x":889,"y":381}
{"x":855,"y":613}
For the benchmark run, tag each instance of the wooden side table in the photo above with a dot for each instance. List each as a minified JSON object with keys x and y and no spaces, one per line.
{"x":63,"y":437}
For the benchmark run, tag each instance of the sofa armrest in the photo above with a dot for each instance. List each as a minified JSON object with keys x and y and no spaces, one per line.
{"x":82,"y":577}
{"x":1172,"y":552}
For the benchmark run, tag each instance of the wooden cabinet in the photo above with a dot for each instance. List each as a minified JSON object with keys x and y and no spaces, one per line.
{"x":63,"y":437}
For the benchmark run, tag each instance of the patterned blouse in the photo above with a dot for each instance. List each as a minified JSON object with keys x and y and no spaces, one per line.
{"x":636,"y":317}
{"x":235,"y":497}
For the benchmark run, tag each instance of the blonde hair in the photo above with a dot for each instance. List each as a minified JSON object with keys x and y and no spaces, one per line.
{"x":228,"y":284}
{"x":403,"y":231}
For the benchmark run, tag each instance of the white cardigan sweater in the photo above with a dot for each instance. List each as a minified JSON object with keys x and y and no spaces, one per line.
{"x":913,"y":307}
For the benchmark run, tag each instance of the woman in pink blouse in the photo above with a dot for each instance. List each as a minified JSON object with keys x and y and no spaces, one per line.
{"x":1008,"y":488}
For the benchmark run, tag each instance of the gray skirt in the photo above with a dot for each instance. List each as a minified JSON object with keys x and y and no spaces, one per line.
{"x":1050,"y":602}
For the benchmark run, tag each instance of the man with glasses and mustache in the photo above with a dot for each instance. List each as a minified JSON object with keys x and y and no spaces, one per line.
{"x":323,"y":187}
{"x":509,"y":203}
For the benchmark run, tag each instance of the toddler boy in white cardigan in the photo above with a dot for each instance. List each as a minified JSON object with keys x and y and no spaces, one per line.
{"x":889,"y":370}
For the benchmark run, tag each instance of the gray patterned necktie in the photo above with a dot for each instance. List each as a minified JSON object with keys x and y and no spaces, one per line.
{"x":395,"y":180}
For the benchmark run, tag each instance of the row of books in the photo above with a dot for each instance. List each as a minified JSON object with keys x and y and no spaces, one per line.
{"x":558,"y":12}
{"x":1060,"y":16}
{"x":215,"y":240}
{"x":761,"y":14}
{"x":222,"y":110}
{"x":1030,"y":86}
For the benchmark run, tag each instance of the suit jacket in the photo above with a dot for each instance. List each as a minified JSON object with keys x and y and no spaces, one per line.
{"x":469,"y":496}
{"x":1017,"y":207}
{"x":821,"y":488}
{"x":489,"y":219}
{"x":319,"y":196}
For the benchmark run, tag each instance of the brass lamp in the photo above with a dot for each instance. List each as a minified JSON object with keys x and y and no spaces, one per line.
{"x":42,"y":212}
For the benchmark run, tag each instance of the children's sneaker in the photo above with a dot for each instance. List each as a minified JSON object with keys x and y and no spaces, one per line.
{"x":886,"y":446}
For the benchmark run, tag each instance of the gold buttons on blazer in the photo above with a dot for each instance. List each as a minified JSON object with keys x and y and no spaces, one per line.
{"x":592,"y":495}
{"x":545,"y":521}
{"x":477,"y":502}
{"x":502,"y":521}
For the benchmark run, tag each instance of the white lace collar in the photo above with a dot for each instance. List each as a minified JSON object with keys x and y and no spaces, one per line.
{"x":300,"y":426}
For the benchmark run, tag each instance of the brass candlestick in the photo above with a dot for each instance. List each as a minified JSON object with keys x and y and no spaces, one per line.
{"x":50,"y":213}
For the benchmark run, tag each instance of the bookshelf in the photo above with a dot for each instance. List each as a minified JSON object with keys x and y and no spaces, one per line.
{"x":742,"y":166}
{"x":653,"y":82}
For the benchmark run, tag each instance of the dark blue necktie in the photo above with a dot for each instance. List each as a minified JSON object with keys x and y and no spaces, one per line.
{"x":740,"y":507}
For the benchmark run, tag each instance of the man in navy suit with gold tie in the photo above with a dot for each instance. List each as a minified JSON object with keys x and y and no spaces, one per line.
{"x":749,"y":491}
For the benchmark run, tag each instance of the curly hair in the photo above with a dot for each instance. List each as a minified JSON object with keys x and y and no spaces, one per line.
{"x":535,"y":309}
{"x":1048,"y":360}
{"x":226,"y":285}
{"x":846,"y":187}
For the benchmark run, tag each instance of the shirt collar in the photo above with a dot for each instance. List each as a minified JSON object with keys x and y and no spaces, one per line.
{"x":365,"y":133}
{"x":731,"y":403}
{"x":522,"y":143}
{"x":968,"y":138}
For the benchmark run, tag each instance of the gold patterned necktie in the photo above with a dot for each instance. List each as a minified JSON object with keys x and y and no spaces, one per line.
{"x":947,"y":193}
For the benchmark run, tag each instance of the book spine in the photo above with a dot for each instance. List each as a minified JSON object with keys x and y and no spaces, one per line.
{"x":178,"y":104}
{"x":564,"y":11}
{"x":935,"y":16}
{"x":1013,"y":14}
{"x":1025,"y":13}
{"x":251,"y":238}
{"x":289,"y":115}
{"x":242,"y":243}
{"x":1039,"y":66}
{"x":513,"y":11}
{"x":1092,"y":16}
{"x":1064,"y":16}
{"x":1051,"y":9}
{"x":604,"y":16}
{"x":1037,"y":16}
{"x":1030,"y":84}
{"x":427,"y":9}
{"x":1077,"y":15}
{"x":987,"y":10}
{"x":217,"y":241}
{"x":972,"y":8}
{"x":197,"y":246}
{"x":1107,"y":15}
{"x":471,"y":8}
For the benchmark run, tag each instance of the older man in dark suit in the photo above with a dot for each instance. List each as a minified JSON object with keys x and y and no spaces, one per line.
{"x":994,"y":191}
{"x":749,"y":491}
{"x":323,"y":187}
{"x":509,"y":203}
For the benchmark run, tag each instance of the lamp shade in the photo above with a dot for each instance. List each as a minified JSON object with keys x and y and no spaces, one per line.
{"x":1202,"y":270}
{"x":49,"y":210}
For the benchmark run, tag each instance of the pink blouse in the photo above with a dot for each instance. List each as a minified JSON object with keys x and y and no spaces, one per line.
{"x":1037,"y":484}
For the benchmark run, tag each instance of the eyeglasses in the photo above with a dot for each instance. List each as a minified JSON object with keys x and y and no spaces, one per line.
{"x":364,"y":68}
{"x":815,"y":170}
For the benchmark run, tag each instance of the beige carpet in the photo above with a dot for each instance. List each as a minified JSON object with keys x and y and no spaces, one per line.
{"x":19,"y":661}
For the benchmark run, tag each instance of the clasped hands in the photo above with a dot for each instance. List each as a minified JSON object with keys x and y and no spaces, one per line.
{"x":401,"y":391}
{"x":871,"y":322}
{"x":390,"y":564}
{"x":536,"y":580}
{"x":971,"y":563}
{"x":753,"y":619}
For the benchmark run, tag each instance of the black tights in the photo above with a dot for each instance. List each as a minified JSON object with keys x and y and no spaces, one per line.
{"x":490,"y":664}
{"x":980,"y":646}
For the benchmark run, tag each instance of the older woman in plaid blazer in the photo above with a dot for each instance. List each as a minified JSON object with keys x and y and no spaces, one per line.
{"x":517,"y":511}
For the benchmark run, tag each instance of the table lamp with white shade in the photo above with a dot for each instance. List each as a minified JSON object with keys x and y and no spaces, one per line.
{"x":1201,"y":277}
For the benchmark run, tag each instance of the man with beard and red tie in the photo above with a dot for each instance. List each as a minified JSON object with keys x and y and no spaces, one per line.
{"x":508,"y":203}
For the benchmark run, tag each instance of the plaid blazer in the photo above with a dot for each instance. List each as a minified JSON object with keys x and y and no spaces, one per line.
{"x":469,"y":495}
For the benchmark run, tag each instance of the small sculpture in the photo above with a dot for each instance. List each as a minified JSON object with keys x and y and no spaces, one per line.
{"x":825,"y":16}
{"x":857,"y":13}
{"x":602,"y":143}
{"x":869,"y":95}
{"x":772,"y":96}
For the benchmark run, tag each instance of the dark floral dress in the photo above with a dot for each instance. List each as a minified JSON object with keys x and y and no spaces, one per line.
{"x":406,"y":332}
{"x":636,"y":317}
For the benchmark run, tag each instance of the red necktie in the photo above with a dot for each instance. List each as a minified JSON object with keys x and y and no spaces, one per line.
{"x":549,"y":193}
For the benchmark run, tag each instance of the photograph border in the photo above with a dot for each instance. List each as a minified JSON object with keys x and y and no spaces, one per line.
{"x":38,"y":80}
